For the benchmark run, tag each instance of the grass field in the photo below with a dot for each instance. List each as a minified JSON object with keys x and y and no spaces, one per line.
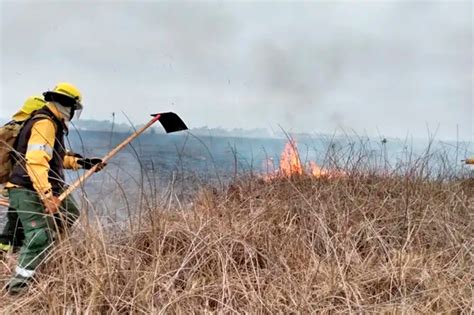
{"x":356,"y":244}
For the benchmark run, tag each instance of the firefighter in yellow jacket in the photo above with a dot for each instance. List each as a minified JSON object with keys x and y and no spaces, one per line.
{"x":37,"y":179}
{"x":12,"y":235}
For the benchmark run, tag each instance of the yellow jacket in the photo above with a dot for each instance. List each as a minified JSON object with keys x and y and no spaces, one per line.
{"x":40,"y":152}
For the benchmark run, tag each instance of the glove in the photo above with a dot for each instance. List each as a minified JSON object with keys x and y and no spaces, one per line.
{"x":88,"y":163}
{"x":469,"y":161}
{"x":51,"y":204}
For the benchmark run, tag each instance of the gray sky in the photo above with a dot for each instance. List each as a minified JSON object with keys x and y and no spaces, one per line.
{"x":393,"y":67}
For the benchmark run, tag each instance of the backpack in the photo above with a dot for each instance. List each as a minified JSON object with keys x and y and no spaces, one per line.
{"x":8,"y":134}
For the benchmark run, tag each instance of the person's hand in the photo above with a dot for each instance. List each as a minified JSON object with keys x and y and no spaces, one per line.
{"x":51,"y":204}
{"x":469,"y":161}
{"x":88,"y":163}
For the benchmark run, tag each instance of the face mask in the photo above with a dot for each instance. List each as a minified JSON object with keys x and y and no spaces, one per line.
{"x":66,"y":112}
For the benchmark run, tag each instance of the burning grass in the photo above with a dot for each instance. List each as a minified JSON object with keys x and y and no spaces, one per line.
{"x":295,"y":244}
{"x":291,"y":165}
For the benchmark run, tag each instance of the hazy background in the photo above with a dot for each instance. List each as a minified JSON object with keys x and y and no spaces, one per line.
{"x":380,"y":67}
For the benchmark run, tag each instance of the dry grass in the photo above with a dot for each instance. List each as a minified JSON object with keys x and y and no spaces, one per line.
{"x":357,"y":244}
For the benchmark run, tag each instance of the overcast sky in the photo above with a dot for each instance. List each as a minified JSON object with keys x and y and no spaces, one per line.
{"x":388,"y":67}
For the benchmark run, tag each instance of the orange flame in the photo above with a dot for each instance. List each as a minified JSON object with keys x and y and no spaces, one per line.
{"x":291,"y":165}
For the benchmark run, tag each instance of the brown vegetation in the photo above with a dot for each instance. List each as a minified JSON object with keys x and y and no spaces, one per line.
{"x":355,"y":244}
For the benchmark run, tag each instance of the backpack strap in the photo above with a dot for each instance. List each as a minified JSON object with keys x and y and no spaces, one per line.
{"x":42,"y":116}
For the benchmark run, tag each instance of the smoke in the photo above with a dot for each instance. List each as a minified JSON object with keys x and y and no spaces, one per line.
{"x":395,"y":66}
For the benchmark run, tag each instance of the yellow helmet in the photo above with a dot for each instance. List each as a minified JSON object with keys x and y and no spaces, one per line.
{"x":31,"y":104}
{"x":66,"y":94}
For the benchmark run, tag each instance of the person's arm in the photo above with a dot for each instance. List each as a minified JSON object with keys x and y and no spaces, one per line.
{"x":38,"y":154}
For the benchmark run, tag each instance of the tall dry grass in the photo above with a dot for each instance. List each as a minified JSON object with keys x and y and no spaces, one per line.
{"x":360,"y":244}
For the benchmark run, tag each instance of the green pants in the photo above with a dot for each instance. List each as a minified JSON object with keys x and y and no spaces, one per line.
{"x":39,"y":228}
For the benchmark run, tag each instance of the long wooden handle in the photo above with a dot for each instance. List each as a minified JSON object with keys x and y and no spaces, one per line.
{"x":109,"y":155}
